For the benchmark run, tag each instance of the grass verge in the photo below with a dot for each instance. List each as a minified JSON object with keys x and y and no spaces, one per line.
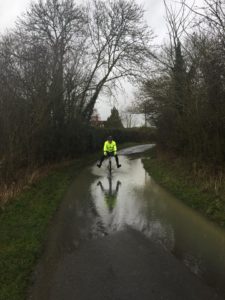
{"x":23,"y":226}
{"x":180,"y":181}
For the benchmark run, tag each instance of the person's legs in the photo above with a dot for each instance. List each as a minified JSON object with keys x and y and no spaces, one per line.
{"x":117,"y":161}
{"x":101,"y":160}
{"x":104,"y":156}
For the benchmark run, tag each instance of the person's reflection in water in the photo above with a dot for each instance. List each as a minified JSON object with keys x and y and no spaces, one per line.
{"x":110,"y":194}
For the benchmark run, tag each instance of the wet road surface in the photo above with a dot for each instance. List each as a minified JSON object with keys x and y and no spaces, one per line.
{"x":124,"y":237}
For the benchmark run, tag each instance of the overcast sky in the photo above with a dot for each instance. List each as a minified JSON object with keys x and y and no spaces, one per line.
{"x":11,"y":9}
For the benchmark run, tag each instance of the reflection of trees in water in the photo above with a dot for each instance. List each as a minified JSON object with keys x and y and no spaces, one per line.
{"x":158,"y":226}
{"x":110,"y":194}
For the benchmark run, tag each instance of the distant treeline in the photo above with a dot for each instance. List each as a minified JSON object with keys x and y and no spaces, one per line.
{"x":185,"y":96}
{"x":54,"y":63}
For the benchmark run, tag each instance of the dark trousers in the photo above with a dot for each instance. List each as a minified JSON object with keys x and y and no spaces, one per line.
{"x":109,"y":154}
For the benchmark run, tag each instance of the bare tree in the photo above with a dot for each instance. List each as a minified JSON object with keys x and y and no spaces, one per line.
{"x":119,"y":41}
{"x":212,"y":13}
{"x":58,"y":25}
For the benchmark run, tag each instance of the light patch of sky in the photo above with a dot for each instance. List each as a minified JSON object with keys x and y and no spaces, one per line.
{"x":9,"y":11}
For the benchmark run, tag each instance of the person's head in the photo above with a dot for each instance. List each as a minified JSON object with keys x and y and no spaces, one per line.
{"x":110,"y":138}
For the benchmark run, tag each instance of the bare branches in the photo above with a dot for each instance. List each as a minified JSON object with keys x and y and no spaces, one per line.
{"x":178,"y":21}
{"x":120,"y":42}
{"x":213,"y":13}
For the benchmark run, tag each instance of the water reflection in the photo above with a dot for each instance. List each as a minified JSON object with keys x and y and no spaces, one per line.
{"x":110,"y":194}
{"x":127,"y":210}
{"x":142,"y":204}
{"x":129,"y":205}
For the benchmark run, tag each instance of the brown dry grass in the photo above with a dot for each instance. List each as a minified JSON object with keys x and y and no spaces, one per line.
{"x":207,"y":177}
{"x":23,"y":179}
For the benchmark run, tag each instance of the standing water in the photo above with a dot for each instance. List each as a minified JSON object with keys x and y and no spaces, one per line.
{"x":130,"y":197}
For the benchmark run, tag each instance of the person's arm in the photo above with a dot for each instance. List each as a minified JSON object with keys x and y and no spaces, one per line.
{"x":115,"y":148}
{"x":105,"y":148}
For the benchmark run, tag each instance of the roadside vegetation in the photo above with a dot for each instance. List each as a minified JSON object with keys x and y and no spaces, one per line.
{"x":23,"y":226}
{"x":197,"y":189}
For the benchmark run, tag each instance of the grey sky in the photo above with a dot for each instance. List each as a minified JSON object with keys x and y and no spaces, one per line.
{"x":10,"y":9}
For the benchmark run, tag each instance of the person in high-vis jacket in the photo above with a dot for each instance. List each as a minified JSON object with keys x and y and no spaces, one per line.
{"x":109,"y":149}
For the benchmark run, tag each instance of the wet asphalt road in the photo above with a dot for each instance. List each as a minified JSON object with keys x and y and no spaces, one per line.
{"x":89,"y":257}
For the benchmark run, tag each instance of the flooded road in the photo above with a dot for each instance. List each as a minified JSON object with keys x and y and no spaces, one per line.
{"x":125,"y":237}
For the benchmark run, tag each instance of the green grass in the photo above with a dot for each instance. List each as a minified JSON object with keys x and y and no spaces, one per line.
{"x":180,"y":182}
{"x":23,"y":226}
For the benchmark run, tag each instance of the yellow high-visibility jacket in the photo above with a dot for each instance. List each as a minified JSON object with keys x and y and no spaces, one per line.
{"x":110,"y":147}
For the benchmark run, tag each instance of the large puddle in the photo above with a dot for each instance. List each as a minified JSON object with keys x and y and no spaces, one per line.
{"x":130,"y":197}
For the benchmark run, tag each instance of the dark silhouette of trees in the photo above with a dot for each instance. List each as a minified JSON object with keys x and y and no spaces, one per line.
{"x":114,"y":120}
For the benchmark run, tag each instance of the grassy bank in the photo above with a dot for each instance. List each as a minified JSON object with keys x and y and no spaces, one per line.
{"x":177,"y":177}
{"x":23,"y":225}
{"x":24,"y":222}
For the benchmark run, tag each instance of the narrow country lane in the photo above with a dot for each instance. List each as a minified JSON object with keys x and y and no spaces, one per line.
{"x":125,"y":238}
